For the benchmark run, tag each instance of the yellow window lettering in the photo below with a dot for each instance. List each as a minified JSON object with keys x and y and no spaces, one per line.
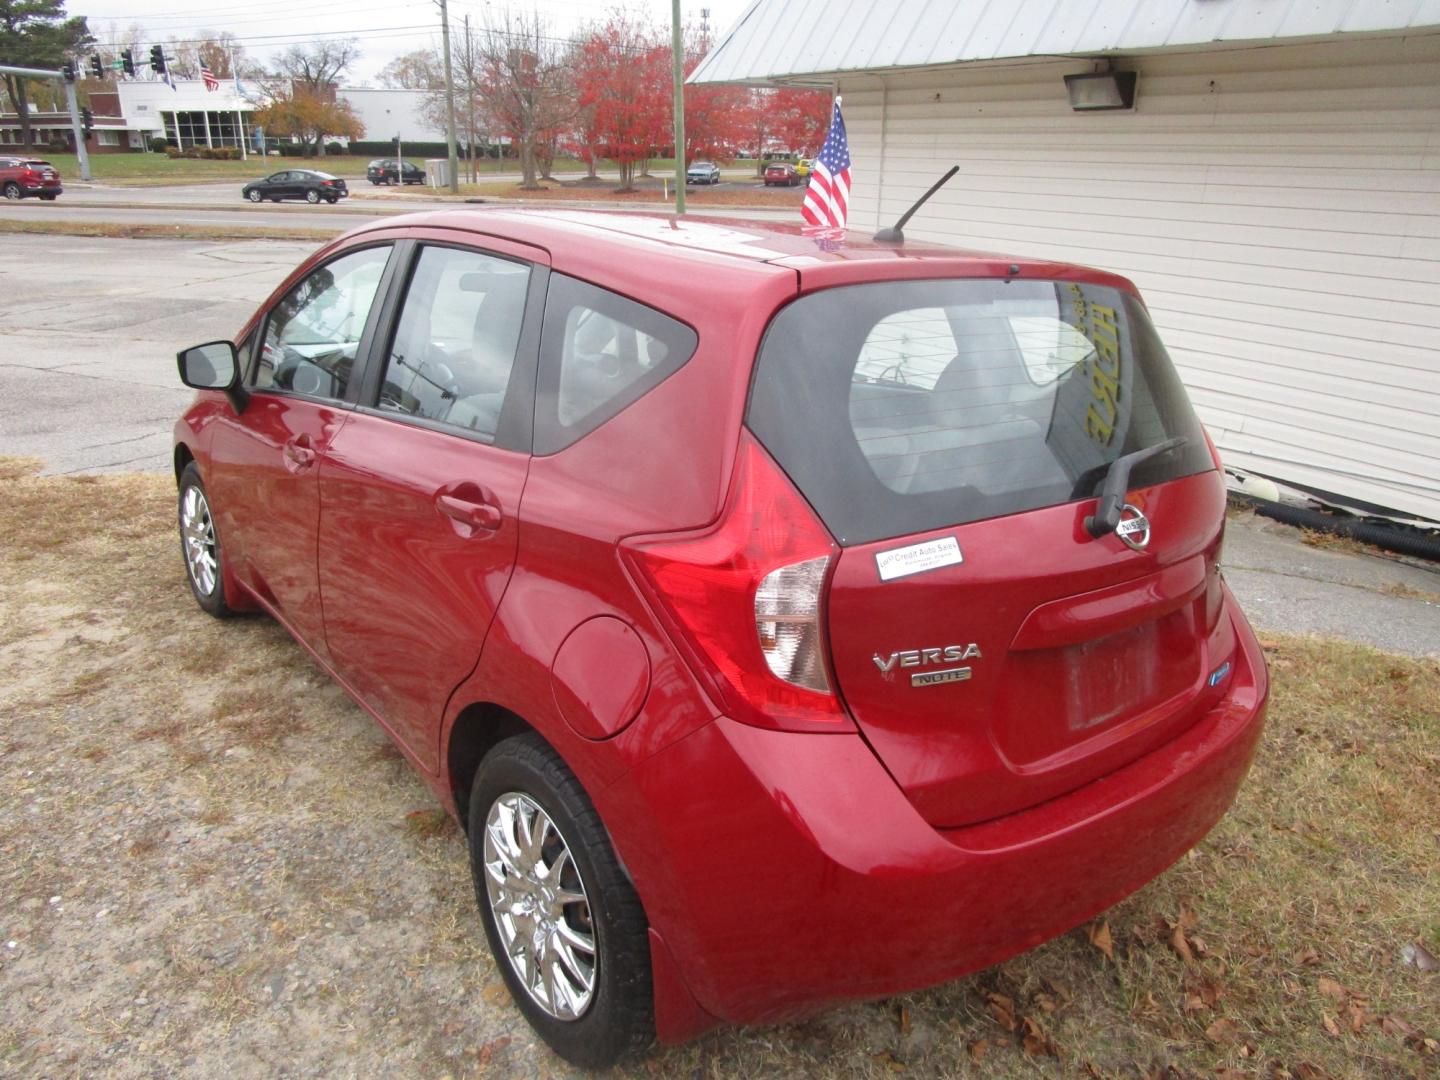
{"x":1106,"y":337}
{"x":1097,"y":428}
{"x":1104,"y":386}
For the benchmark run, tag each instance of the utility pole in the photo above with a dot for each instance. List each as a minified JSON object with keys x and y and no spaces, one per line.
{"x":449,"y":100}
{"x":79,"y":134}
{"x":677,"y":53}
{"x":470,"y":98}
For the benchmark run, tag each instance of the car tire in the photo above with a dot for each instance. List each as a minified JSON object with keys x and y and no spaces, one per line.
{"x":200,"y":545}
{"x":275,"y":198}
{"x":48,"y":197}
{"x":255,"y":197}
{"x":332,"y":199}
{"x":12,"y":191}
{"x":519,"y":780}
{"x":312,"y":196}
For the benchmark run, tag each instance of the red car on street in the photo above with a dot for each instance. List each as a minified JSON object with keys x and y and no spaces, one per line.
{"x":785,"y":624}
{"x":22,"y":177}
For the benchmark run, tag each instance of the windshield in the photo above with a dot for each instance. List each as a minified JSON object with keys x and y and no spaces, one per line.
{"x":903,"y":407}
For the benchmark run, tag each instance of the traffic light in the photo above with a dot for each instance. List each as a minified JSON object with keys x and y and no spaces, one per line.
{"x":87,"y":119}
{"x":68,"y":71}
{"x":127,"y":62}
{"x":97,"y":69}
{"x":157,"y":59}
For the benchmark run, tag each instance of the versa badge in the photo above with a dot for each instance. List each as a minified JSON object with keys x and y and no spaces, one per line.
{"x":948,"y":654}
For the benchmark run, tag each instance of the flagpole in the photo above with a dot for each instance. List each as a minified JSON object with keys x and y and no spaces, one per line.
{"x":239,"y":120}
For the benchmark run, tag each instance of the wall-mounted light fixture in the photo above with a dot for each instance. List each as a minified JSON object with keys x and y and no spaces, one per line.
{"x":1102,"y":90}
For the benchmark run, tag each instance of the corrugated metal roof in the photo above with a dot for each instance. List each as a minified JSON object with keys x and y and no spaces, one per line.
{"x":791,"y":39}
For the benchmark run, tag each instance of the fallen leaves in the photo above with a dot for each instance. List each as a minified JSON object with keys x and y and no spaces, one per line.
{"x":1331,"y":989}
{"x":1099,"y":936}
{"x":1181,"y":946}
{"x":1353,"y":1014}
{"x":1222,"y":1031}
{"x":1032,"y":1037}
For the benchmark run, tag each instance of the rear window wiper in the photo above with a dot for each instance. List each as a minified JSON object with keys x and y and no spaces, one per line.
{"x":1117,"y":479}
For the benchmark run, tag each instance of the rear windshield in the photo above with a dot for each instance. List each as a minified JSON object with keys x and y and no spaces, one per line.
{"x":903,"y":407}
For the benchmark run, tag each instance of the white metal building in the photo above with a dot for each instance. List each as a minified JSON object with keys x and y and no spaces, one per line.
{"x":1274,"y":192}
{"x":389,"y":112}
{"x":130,"y":112}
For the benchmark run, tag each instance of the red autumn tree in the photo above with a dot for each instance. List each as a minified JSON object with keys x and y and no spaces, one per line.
{"x":623,"y":90}
{"x":793,"y":119}
{"x":801,"y":118}
{"x":715,"y":116}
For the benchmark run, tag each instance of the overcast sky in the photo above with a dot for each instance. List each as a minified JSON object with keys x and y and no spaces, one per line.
{"x":384,"y":29}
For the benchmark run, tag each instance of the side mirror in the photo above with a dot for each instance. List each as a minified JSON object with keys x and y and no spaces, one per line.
{"x":213,"y":366}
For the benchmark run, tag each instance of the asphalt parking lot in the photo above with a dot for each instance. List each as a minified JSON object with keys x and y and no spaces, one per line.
{"x":91,"y":327}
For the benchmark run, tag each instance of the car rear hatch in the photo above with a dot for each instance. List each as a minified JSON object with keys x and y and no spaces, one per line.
{"x":42,"y":173}
{"x":953,"y":435}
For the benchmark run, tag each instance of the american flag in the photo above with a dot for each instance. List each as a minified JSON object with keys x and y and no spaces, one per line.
{"x":211,"y":82}
{"x":827,"y":200}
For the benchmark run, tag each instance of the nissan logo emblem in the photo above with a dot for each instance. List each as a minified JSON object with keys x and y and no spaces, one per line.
{"x":1134,"y":528}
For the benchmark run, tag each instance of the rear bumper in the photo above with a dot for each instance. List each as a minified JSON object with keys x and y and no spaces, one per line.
{"x":786,"y":872}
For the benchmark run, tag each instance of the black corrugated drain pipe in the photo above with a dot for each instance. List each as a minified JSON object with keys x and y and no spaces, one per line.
{"x":1402,"y":539}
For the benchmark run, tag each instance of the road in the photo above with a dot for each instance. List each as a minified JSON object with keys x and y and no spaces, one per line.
{"x":91,"y":328}
{"x":219,"y":205}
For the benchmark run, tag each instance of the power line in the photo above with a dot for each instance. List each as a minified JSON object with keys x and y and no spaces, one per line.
{"x":267,"y":40}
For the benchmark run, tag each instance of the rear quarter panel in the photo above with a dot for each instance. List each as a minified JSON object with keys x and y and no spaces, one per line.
{"x":662,"y":464}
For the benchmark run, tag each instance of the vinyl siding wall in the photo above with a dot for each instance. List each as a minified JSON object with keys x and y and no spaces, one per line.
{"x":1278,"y":207}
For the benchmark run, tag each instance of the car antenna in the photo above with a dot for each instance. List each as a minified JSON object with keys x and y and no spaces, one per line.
{"x":896,"y":233}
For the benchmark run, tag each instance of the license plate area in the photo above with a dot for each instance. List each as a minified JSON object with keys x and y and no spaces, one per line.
{"x":1059,"y":702}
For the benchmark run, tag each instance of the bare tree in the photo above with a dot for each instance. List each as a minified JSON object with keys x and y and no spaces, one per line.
{"x":317,"y":67}
{"x":301,"y":90}
{"x":526,"y":84}
{"x":216,"y":50}
{"x":418,"y":70}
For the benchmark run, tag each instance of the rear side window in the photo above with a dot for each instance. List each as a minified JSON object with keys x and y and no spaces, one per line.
{"x":599,"y":352}
{"x":909,"y":406}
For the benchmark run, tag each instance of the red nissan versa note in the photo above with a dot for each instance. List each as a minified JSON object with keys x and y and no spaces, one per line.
{"x":785,"y":625}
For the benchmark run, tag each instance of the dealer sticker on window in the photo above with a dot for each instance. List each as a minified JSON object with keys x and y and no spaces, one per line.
{"x":931,"y":555}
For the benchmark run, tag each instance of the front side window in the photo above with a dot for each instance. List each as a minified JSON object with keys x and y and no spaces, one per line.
{"x":313,"y":333}
{"x":902,"y":407}
{"x":454,"y":346}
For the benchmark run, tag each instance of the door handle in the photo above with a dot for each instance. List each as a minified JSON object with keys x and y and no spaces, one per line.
{"x":299,"y":453}
{"x":480,"y":516}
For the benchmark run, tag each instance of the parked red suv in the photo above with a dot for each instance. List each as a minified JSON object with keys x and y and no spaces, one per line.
{"x":835,"y":627}
{"x":21,"y":177}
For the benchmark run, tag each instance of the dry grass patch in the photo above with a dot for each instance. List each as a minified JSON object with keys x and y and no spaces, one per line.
{"x":1330,"y":541}
{"x":1406,"y":591}
{"x":212,"y":863}
{"x":116,"y":230}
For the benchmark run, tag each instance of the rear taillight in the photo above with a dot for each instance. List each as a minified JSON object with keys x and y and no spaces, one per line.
{"x":744,"y":600}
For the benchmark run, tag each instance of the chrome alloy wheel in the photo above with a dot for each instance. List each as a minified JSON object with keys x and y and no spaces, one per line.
{"x":198,"y":532}
{"x":540,"y":906}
